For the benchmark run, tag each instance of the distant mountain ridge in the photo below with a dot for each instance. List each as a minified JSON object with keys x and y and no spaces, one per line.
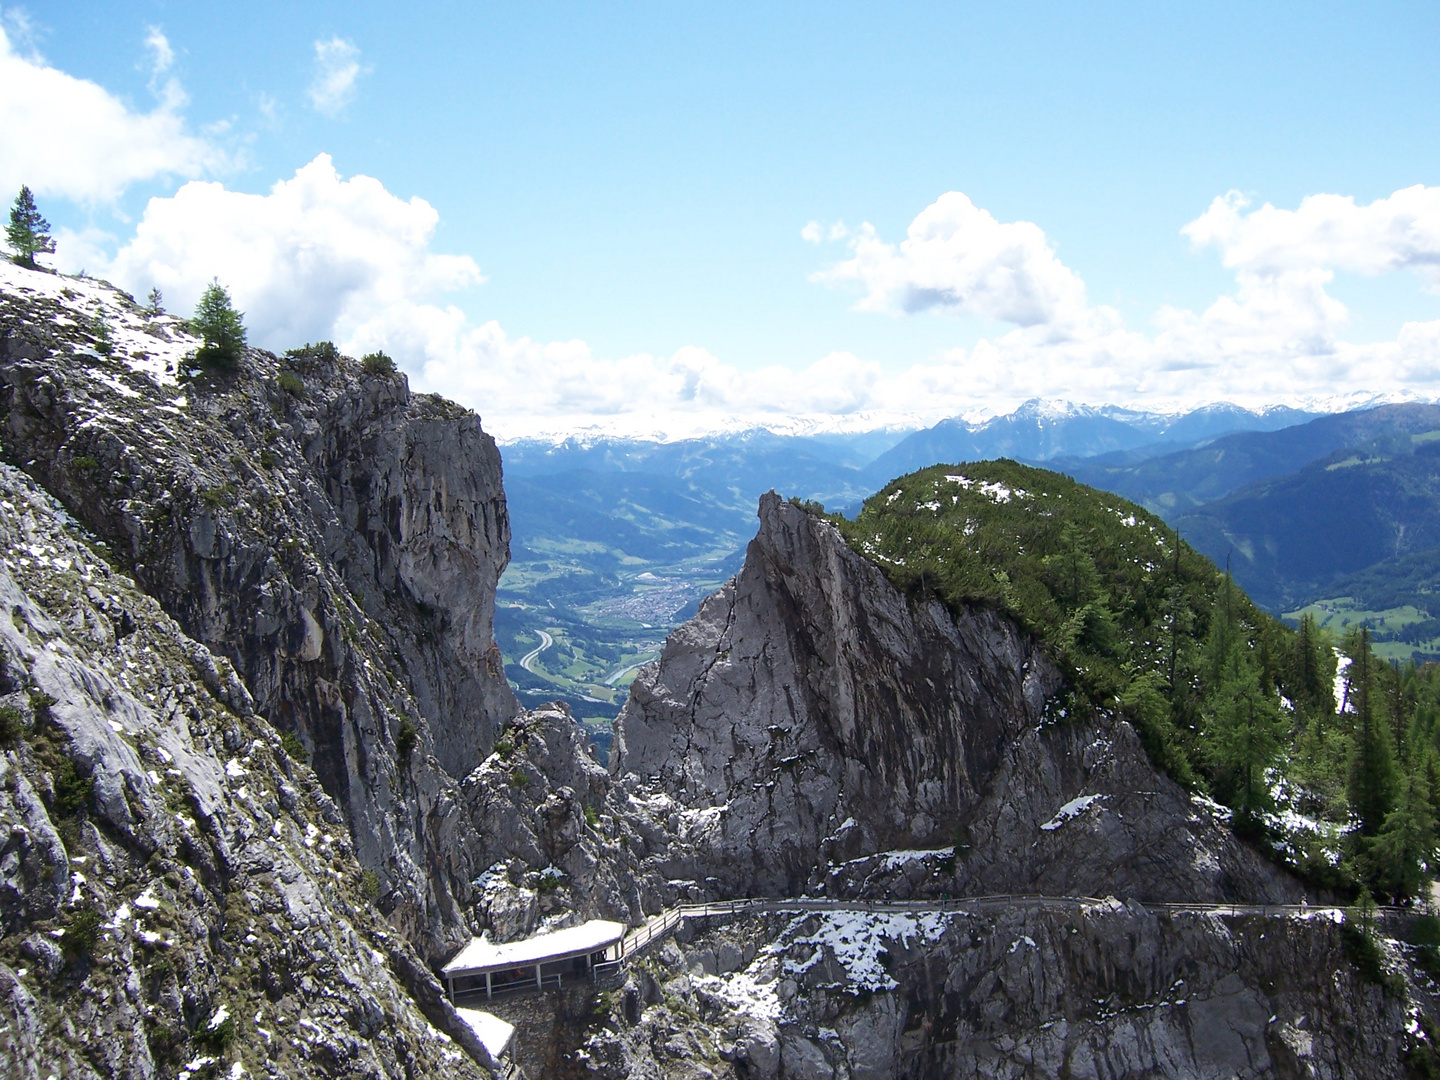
{"x":849,"y":465}
{"x":1040,"y":430}
{"x":1176,"y":482}
{"x":1295,"y":537}
{"x":614,"y":538}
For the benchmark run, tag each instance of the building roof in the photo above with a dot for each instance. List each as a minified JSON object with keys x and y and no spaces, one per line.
{"x":494,"y":1034}
{"x":484,"y":955}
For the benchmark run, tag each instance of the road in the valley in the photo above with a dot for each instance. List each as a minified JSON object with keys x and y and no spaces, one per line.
{"x":611,"y":680}
{"x":545,"y":642}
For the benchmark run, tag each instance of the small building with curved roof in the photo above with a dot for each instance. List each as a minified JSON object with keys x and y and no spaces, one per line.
{"x":545,"y":959}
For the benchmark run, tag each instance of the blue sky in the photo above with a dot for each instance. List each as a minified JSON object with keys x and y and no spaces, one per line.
{"x":636,"y":178}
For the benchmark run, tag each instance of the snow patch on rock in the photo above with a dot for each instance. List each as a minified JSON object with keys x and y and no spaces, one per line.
{"x":1070,"y":811}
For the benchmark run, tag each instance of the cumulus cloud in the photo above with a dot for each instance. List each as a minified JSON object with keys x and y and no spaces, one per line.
{"x":1281,"y":313}
{"x":323,"y":256}
{"x":527,"y":387}
{"x":958,"y":258}
{"x":312,"y":259}
{"x":336,"y":71}
{"x":1326,"y":232}
{"x":1278,"y":337}
{"x":71,"y":137}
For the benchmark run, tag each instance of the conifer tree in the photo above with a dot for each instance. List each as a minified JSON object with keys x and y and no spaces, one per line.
{"x":220,"y":325}
{"x":1224,"y":635}
{"x":28,"y":233}
{"x":1428,"y":765}
{"x":1070,"y":572}
{"x":1309,"y":671}
{"x":1373,"y":778}
{"x":1177,"y":616}
{"x":1244,"y":731}
{"x":1401,"y":853}
{"x":155,"y":302}
{"x":1389,"y":678}
{"x":1244,"y":728}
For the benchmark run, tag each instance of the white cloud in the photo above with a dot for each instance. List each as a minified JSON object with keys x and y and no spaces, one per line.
{"x":162,"y":56}
{"x":525,"y":387}
{"x":958,"y":258}
{"x":816,"y":233}
{"x":24,"y":37}
{"x":268,"y":108}
{"x":311,"y":260}
{"x":337,"y":69}
{"x":1329,"y":232}
{"x":71,"y":137}
{"x":86,"y":250}
{"x":1276,"y":338}
{"x":325,"y":257}
{"x":321,"y":256}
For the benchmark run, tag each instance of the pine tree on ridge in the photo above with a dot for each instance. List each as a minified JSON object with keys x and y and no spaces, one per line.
{"x":28,"y":232}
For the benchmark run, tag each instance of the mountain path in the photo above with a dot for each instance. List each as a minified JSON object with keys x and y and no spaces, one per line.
{"x":658,"y":926}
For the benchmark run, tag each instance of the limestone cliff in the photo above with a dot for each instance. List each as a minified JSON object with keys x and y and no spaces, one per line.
{"x":812,"y":717}
{"x":815,"y":730}
{"x":336,"y":537}
{"x":1097,"y":990}
{"x":177,"y":895}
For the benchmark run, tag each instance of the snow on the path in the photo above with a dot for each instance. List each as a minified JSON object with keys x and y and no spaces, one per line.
{"x":494,"y":1034}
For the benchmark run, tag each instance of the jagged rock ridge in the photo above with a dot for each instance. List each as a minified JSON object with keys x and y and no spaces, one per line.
{"x":812,"y":715}
{"x":810,"y":721}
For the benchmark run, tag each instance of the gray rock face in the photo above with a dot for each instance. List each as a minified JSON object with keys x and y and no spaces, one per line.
{"x":336,"y":537}
{"x":811,"y":716}
{"x":175,"y":891}
{"x":1096,"y":990}
{"x":417,"y":486}
{"x":533,"y":811}
{"x":808,"y":693}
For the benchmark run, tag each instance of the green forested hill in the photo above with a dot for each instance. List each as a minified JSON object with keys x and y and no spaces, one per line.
{"x":1398,"y":600}
{"x":1227,"y":699}
{"x":1294,"y":538}
{"x":1396,"y":581}
{"x":1174,"y":483}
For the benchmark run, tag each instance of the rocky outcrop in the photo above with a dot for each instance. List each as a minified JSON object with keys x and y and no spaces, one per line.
{"x":177,"y":895}
{"x":336,"y":537}
{"x":1086,"y":990}
{"x":554,"y":853}
{"x":415,"y":484}
{"x":814,"y":728}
